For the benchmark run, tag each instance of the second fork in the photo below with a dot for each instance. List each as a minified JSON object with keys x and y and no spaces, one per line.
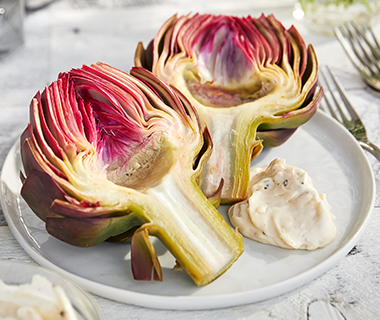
{"x":354,"y":124}
{"x":363,"y":49}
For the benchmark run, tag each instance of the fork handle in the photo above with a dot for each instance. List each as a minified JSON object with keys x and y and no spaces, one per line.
{"x":370,"y":147}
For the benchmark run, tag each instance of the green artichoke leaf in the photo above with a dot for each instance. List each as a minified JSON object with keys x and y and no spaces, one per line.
{"x":144,"y":258}
{"x":88,"y":232}
{"x":109,"y":155}
{"x":252,"y":81}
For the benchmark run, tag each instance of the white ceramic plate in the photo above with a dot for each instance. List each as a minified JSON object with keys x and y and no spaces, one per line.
{"x":322,"y":147}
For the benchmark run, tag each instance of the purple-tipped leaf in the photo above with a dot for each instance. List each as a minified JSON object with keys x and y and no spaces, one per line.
{"x":145,"y":264}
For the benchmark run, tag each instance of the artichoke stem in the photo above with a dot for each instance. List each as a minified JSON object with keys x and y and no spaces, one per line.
{"x":193,"y":230}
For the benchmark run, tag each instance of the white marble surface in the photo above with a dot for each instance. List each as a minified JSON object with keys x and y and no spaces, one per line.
{"x":69,"y":33}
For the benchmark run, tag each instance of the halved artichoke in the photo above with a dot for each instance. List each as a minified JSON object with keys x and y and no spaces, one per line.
{"x":250,"y":79}
{"x":108,"y":155}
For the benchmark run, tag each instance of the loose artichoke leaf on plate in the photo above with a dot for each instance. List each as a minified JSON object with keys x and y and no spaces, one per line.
{"x":252,"y":81}
{"x":96,"y":137}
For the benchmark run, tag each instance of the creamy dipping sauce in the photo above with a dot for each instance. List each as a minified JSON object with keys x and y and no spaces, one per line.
{"x":39,"y":300}
{"x":284,"y":209}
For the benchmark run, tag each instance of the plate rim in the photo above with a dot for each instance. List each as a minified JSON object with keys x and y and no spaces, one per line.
{"x":224,"y":300}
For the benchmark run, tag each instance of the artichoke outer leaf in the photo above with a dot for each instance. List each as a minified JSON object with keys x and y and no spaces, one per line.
{"x":146,"y":56}
{"x":39,"y":190}
{"x":42,"y":133}
{"x":257,"y":148}
{"x":165,"y":91}
{"x":67,"y":209}
{"x":295,"y":118}
{"x":28,"y":154}
{"x":274,"y":138}
{"x":302,"y":46}
{"x":204,"y":153}
{"x":144,"y":259}
{"x":217,"y":196}
{"x":32,"y":157}
{"x":88,"y":232}
{"x":124,"y":237}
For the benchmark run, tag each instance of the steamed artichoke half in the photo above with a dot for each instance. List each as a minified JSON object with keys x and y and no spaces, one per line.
{"x":251,"y":81}
{"x":108,"y":156}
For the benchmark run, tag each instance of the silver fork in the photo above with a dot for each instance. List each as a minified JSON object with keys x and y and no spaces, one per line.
{"x":363,"y":49}
{"x":354,"y":124}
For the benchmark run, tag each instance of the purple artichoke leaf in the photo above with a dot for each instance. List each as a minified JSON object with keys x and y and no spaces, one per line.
{"x":274,"y":138}
{"x":295,"y":118}
{"x":203,"y":154}
{"x":215,"y":198}
{"x":164,"y":91}
{"x":88,"y":232}
{"x":82,"y":209}
{"x":256,"y":149}
{"x":22,"y":176}
{"x":39,"y":190}
{"x":89,"y":124}
{"x":55,"y":123}
{"x":34,"y":159}
{"x":144,"y":259}
{"x":124,"y":237}
{"x":300,"y":43}
{"x":45,"y":140}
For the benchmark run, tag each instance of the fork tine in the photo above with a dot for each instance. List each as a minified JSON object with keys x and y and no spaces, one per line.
{"x":349,"y":49}
{"x":367,"y":34}
{"x":373,"y":44}
{"x":368,"y":60}
{"x":375,"y":40}
{"x":362,"y":47}
{"x":354,"y":42}
{"x":343,"y":95}
{"x":361,"y":35}
{"x":328,"y":101}
{"x":355,"y":125}
{"x":356,"y":38}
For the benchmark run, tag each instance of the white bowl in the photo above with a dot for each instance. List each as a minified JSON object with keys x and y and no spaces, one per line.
{"x":16,"y":273}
